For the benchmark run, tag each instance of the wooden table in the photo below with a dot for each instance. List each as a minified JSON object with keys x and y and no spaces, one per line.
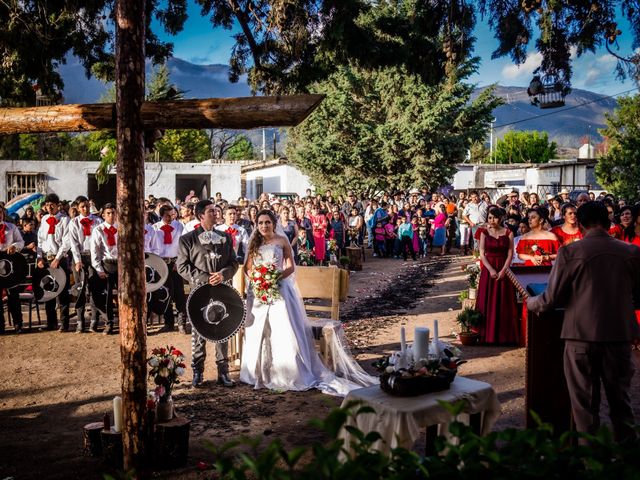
{"x":399,"y":419}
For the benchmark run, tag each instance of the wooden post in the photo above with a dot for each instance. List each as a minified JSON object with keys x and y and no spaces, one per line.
{"x":130,"y":63}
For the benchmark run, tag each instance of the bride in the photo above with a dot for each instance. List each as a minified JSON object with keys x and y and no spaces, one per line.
{"x":278,"y":351}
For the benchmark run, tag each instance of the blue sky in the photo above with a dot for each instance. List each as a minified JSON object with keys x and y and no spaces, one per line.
{"x":201,"y":44}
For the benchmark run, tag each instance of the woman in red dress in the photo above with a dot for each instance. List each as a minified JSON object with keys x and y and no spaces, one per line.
{"x":570,"y":231}
{"x":319,"y":224}
{"x":496,"y":298}
{"x":538,"y":246}
{"x":630,"y":224}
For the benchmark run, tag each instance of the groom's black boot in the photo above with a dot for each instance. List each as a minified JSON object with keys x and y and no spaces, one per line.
{"x":197,"y":379}
{"x":223,"y":379}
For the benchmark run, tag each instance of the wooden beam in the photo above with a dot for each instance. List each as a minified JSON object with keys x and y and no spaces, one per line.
{"x":233,"y":113}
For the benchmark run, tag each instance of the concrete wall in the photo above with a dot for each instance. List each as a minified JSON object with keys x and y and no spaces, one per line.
{"x":278,"y":178}
{"x":70,"y":179}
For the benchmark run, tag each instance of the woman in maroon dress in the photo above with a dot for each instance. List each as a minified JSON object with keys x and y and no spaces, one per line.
{"x":496,"y":298}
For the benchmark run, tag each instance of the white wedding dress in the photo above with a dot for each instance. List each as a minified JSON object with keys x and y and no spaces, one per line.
{"x":279,"y":352}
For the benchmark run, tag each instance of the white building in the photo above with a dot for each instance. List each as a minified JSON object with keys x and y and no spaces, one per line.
{"x":72,"y":178}
{"x":273,"y":176}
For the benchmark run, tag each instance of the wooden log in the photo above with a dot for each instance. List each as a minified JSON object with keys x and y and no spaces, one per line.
{"x":92,"y":443}
{"x":355,"y":258}
{"x":240,"y":113}
{"x":172,"y":443}
{"x":112,"y":449}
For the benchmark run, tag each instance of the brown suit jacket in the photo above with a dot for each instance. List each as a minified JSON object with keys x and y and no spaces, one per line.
{"x":595,"y":280}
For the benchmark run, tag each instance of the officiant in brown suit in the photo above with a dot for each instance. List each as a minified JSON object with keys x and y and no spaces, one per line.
{"x":595,"y":280}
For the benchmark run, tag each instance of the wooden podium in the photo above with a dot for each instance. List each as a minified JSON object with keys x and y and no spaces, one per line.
{"x":545,"y":386}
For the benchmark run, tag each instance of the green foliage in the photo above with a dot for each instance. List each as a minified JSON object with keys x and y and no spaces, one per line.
{"x":464,"y":294}
{"x":386,"y":128}
{"x":507,"y":455}
{"x":242,"y":149}
{"x":183,"y":146}
{"x":619,"y":170}
{"x":524,"y":147}
{"x":468,"y":318}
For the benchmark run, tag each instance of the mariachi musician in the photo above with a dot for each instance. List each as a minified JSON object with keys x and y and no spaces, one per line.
{"x":80,"y":229}
{"x":104,"y":259}
{"x":207,"y":256}
{"x":11,"y":242}
{"x":52,"y":251}
{"x":168,"y":233}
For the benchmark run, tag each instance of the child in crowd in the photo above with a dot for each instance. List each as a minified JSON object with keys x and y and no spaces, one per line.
{"x":391,"y":235}
{"x":405,"y":236}
{"x":397,"y":241}
{"x":423,"y":233}
{"x":380,"y":237}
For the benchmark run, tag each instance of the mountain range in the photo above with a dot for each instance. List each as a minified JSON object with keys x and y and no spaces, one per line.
{"x":581,"y":117}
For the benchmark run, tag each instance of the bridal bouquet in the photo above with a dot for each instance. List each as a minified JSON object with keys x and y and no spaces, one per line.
{"x":167,"y":364}
{"x":264,"y":282}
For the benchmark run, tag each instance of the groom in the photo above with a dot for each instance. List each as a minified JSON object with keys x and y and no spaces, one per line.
{"x":212,"y":263}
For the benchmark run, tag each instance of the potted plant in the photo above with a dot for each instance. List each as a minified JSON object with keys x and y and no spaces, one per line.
{"x":473,"y":272}
{"x":468,"y":319}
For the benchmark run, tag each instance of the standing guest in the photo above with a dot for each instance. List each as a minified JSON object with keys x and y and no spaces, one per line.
{"x":630,"y":224}
{"x":538,"y":246}
{"x":514,"y":203}
{"x":582,"y":199}
{"x":168,"y":233}
{"x":337,"y":223}
{"x":238,"y":234}
{"x":350,"y":203}
{"x":104,"y":258}
{"x":496,"y":294}
{"x":80,"y":230}
{"x":206,"y":256}
{"x":405,"y":235}
{"x":320,"y":226}
{"x":463,"y":227}
{"x":29,"y":214}
{"x":451,"y":224}
{"x":186,"y":213}
{"x":380,"y":238}
{"x":423,"y":232}
{"x":474,"y":214}
{"x":415,"y":229}
{"x":30,"y":238}
{"x":555,"y":211}
{"x":570,"y":230}
{"x":597,"y":332}
{"x":355,"y":224}
{"x":440,"y":230}
{"x":52,"y":251}
{"x":615,"y":230}
{"x":564,"y":196}
{"x":391,"y":237}
{"x":11,"y":242}
{"x":192,"y":193}
{"x":290,"y":228}
{"x":534,"y":200}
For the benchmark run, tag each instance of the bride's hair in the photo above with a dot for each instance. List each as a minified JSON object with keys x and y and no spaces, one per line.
{"x":257,"y":240}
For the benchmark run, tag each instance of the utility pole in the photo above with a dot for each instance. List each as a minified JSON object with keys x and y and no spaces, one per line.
{"x":491,"y":158}
{"x":264,"y":145}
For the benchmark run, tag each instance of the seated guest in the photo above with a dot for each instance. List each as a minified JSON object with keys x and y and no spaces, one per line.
{"x":30,"y":238}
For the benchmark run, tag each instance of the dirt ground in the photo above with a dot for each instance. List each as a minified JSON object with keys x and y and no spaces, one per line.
{"x":52,"y":384}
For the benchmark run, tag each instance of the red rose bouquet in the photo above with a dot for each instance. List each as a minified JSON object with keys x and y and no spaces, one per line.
{"x":264,"y":283}
{"x":167,"y":364}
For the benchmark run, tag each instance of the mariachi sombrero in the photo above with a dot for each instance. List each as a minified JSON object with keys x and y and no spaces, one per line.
{"x":48,"y":283}
{"x":13,"y":269}
{"x":156,"y":272}
{"x":216,"y":312}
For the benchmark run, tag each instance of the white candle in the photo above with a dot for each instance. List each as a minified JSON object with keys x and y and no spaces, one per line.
{"x":117,"y":414}
{"x":435,"y":331}
{"x":420,"y":343}
{"x":436,"y":341}
{"x":403,"y":341}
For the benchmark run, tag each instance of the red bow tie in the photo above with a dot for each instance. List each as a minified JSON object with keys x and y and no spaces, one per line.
{"x":52,"y":221}
{"x":86,"y":226}
{"x":167,"y":229}
{"x":3,"y":230}
{"x":111,"y":235}
{"x":196,"y":226}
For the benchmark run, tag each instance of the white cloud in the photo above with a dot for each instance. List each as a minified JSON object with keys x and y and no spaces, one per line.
{"x":515,"y":72}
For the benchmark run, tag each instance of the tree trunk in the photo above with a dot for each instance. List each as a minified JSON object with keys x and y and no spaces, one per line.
{"x":130,"y":32}
{"x":239,"y":113}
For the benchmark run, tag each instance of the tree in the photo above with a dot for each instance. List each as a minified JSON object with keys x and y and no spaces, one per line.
{"x":387,"y":128}
{"x":524,"y":147}
{"x":618,"y":170}
{"x":183,"y":146}
{"x":242,"y":149}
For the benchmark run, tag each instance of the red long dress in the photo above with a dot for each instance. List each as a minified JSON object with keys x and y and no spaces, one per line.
{"x":634,"y":241}
{"x":566,"y":238}
{"x":537,"y":247}
{"x":319,"y":231}
{"x":496,"y":299}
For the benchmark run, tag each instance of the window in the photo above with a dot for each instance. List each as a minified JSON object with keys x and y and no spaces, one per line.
{"x":259,"y":186}
{"x":19,"y":183}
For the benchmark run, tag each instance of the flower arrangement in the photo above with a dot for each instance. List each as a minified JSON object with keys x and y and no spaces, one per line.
{"x":167,"y":365}
{"x":332,"y":246}
{"x":473,"y":272}
{"x":304,"y":258}
{"x":264,"y":283}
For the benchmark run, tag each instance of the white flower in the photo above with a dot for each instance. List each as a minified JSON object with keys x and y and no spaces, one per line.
{"x":179,"y":371}
{"x":534,"y":248}
{"x":153,"y":361}
{"x":267,"y":277}
{"x":163,"y":372}
{"x":170,"y":365}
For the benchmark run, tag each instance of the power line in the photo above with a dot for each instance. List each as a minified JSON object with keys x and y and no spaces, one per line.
{"x":567,"y":109}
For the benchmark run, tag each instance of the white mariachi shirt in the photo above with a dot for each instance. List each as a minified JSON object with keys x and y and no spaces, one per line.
{"x":168,"y":250}
{"x":190,"y":226}
{"x":238,"y":234}
{"x":12,"y":237}
{"x":55,"y":243}
{"x":100,"y":249}
{"x":150,"y":240}
{"x":79,"y":243}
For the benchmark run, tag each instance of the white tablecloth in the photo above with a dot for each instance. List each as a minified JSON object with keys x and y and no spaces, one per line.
{"x":399,"y":419}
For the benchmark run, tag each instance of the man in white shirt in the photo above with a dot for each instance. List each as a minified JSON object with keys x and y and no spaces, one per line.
{"x":168,"y":233}
{"x":80,"y":229}
{"x":11,"y":242}
{"x":238,"y":233}
{"x":475,"y":214}
{"x":52,"y":251}
{"x":104,"y":258}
